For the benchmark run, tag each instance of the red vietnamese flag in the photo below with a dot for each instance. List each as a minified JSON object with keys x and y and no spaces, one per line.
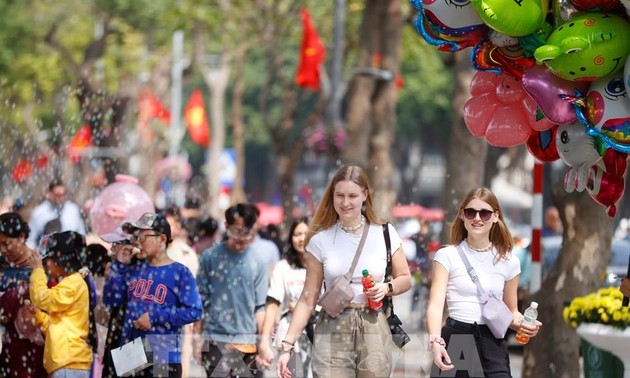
{"x":149,"y":108}
{"x":21,"y":171}
{"x":312,"y":55}
{"x":196,"y":119}
{"x":80,"y":141}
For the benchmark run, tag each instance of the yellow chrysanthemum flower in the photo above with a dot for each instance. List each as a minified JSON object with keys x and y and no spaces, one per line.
{"x":603,"y":306}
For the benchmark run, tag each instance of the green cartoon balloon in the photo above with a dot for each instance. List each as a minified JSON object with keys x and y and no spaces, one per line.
{"x":587,"y":47}
{"x":515,"y":18}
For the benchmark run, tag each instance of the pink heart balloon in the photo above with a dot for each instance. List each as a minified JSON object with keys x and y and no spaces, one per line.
{"x":545,"y":88}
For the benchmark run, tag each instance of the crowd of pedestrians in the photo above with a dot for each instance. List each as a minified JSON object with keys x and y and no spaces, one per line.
{"x":65,"y":305}
{"x":184,"y":286}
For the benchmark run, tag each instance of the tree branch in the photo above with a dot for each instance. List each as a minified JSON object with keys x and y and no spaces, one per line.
{"x":66,"y":55}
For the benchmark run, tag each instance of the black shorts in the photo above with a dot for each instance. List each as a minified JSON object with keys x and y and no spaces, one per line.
{"x":474,"y":351}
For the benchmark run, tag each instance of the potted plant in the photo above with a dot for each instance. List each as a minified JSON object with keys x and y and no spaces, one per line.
{"x":601,"y":321}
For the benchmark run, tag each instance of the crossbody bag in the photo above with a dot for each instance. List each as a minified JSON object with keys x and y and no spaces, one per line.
{"x":340,"y":293}
{"x":494,"y":312}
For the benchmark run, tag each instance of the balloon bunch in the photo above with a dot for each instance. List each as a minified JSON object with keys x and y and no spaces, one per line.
{"x":552,"y":74}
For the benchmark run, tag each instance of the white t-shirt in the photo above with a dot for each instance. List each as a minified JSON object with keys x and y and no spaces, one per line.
{"x":286,"y":284}
{"x":181,"y":252}
{"x":462,"y":299}
{"x":335,"y":249}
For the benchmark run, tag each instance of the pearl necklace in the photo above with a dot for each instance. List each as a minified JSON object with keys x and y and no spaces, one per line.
{"x":484,"y":249}
{"x":352,"y":228}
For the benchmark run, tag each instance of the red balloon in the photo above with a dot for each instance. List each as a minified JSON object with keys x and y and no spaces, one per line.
{"x":537,"y":120}
{"x":601,"y":5}
{"x":607,"y":185}
{"x":542,"y":145}
{"x":509,"y":127}
{"x":484,"y":82}
{"x":478,"y":111}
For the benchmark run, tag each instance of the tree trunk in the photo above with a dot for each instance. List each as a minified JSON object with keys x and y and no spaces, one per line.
{"x":286,"y":131}
{"x":216,"y":78}
{"x":372,"y":100}
{"x":361,"y":89}
{"x":466,"y":154}
{"x":106,"y":131}
{"x":238,"y":126}
{"x":585,"y":253}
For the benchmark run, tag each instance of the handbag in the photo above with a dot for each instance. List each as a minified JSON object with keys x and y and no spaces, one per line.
{"x":494,"y":312}
{"x":339,"y":295}
{"x":130,"y":358}
{"x":399,"y":336}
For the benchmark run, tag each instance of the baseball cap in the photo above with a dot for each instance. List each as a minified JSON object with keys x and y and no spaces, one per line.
{"x":12,"y":225}
{"x":149,"y":221}
{"x":117,"y":235}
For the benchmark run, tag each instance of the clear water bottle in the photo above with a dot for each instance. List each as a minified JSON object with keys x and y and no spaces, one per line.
{"x":529,"y":317}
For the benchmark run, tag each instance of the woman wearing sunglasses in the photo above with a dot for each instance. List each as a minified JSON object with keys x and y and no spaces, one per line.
{"x":480,"y":232}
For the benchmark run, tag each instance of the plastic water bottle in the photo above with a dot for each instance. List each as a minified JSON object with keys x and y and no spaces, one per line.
{"x":368,"y":281}
{"x":529,"y":317}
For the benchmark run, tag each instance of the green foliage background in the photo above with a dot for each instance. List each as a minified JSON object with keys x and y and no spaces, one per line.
{"x":37,"y":85}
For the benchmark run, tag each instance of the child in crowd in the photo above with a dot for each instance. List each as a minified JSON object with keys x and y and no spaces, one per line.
{"x":63,"y":310}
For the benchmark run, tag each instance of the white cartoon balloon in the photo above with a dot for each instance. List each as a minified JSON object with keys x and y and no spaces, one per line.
{"x":578,"y":151}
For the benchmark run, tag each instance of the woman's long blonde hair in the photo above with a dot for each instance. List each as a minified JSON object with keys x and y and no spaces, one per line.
{"x":325,"y":216}
{"x":499,"y":234}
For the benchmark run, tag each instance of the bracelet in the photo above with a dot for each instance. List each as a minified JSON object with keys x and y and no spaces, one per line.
{"x":288,"y":343}
{"x":435,"y":339}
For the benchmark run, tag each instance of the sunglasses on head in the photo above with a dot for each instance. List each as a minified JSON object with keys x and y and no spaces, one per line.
{"x":484,"y":214}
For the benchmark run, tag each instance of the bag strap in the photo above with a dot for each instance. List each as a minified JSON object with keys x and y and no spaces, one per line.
{"x":358,"y":252}
{"x":388,"y":303}
{"x":471,"y":271}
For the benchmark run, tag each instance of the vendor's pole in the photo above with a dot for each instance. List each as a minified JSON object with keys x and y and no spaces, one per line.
{"x":537,"y":219}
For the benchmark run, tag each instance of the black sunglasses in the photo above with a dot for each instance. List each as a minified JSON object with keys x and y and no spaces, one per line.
{"x":484,"y":214}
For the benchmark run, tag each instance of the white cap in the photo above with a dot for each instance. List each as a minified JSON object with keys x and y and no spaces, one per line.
{"x":534,"y":305}
{"x":115,"y":236}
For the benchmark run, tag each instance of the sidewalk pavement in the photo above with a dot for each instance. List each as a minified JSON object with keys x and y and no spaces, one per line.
{"x":414,"y":360}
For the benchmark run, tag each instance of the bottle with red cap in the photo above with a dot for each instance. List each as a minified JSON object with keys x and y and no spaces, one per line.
{"x":368,"y":281}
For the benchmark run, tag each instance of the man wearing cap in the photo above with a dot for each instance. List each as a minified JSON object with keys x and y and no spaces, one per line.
{"x":23,"y":343}
{"x":233,"y":283}
{"x":161,"y":294}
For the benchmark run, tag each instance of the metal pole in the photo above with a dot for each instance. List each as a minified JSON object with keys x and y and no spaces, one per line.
{"x":176,"y":92}
{"x":334,"y":109}
{"x":537,"y":220}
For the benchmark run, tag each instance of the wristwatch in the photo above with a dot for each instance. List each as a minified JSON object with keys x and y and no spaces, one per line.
{"x":390,"y":288}
{"x":285,"y":346}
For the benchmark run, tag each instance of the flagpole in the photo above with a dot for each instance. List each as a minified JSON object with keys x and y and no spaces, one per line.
{"x":176,"y":92}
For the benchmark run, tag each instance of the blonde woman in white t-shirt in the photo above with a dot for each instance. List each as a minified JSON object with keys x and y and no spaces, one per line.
{"x":480,"y":231}
{"x":358,"y":342}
